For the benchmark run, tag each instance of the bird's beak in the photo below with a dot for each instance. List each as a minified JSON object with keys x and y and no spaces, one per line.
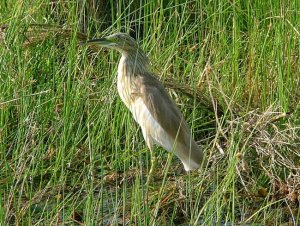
{"x":99,"y":41}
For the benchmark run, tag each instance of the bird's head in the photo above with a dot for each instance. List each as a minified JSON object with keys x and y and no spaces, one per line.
{"x":118,"y":41}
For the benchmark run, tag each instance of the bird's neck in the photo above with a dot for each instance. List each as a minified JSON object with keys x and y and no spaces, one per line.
{"x":134,"y":62}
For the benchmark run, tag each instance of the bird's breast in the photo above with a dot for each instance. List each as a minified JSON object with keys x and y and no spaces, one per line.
{"x":125,"y":85}
{"x":124,"y":91}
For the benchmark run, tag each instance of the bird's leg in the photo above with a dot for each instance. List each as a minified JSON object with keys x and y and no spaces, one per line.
{"x":152,"y":167}
{"x":150,"y":145}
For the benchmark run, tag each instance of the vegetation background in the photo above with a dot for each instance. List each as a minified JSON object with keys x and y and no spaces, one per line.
{"x":70,"y":152}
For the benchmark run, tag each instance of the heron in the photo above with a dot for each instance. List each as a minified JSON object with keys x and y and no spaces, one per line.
{"x":159,"y":118}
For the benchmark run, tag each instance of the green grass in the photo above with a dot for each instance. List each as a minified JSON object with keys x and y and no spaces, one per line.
{"x":71,"y":153}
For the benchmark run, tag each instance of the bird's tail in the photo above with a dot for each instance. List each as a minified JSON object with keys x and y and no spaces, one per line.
{"x":190,"y":157}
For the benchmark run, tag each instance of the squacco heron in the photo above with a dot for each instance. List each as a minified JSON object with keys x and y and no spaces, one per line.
{"x":161,"y":122}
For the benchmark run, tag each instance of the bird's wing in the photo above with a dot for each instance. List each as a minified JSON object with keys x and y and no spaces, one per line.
{"x":162,"y":108}
{"x":157,"y":102}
